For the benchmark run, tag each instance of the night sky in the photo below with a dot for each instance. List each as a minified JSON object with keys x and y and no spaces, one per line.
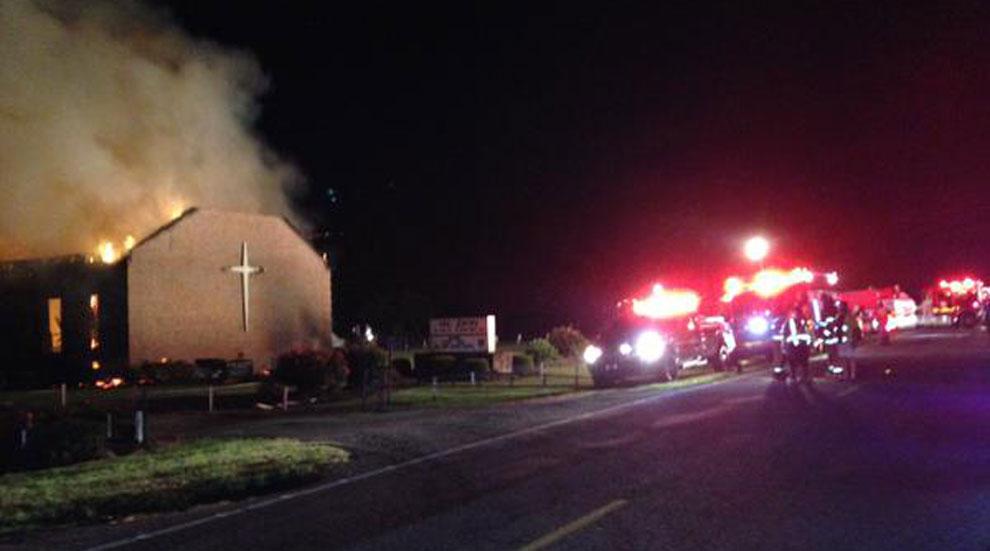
{"x":541,"y":162}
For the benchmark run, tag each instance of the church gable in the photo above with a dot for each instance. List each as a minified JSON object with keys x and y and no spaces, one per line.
{"x":225,"y":285}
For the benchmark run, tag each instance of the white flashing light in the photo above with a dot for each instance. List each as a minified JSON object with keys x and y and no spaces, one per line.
{"x":758,"y":325}
{"x":650,"y":346}
{"x":591,"y":354}
{"x":832,"y":278}
{"x":756,"y":248}
{"x":625,"y":349}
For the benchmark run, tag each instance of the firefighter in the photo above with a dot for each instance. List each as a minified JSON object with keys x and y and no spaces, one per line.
{"x":832,"y":333}
{"x":849,"y":337}
{"x":797,"y":339}
{"x":882,"y":318}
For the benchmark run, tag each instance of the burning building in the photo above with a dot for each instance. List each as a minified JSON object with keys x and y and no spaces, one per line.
{"x":209,"y":285}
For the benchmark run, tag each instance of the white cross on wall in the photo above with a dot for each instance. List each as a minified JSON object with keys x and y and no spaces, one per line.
{"x":246,"y":271}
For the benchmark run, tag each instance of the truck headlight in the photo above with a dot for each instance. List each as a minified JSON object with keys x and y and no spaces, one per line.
{"x":591,"y":354}
{"x":625,"y":349}
{"x":650,"y":346}
{"x":758,"y":325}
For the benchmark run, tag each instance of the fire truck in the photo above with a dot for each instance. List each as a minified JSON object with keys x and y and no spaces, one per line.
{"x":957,"y":302}
{"x":756,"y":308}
{"x":654,"y":338}
{"x":871,"y":305}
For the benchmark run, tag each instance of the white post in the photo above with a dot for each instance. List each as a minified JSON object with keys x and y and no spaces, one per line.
{"x":24,"y":438}
{"x":62,"y":395}
{"x":472,"y":378}
{"x":210,"y":398}
{"x":109,"y":425}
{"x":139,"y":426}
{"x":285,"y":398}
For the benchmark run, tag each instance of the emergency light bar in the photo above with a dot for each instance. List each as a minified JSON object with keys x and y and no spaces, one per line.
{"x":772,"y":282}
{"x":666,"y":303}
{"x":960,"y":287}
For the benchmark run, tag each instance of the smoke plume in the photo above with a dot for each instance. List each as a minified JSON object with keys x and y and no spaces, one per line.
{"x":112,"y":119}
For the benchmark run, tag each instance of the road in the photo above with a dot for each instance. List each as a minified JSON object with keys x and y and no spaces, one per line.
{"x":889,"y":462}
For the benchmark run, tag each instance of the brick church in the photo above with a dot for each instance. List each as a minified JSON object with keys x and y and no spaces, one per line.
{"x":210,"y":285}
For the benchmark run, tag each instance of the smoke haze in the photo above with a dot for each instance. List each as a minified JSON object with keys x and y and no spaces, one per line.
{"x":112,"y":119}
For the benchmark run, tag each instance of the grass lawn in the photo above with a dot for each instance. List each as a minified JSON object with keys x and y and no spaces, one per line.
{"x":171,"y":478}
{"x":561,"y":381}
{"x":466,"y":395}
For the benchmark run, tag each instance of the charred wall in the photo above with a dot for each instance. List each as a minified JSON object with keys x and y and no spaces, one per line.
{"x":27,"y":357}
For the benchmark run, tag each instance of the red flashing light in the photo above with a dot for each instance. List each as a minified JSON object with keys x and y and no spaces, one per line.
{"x":960,"y":287}
{"x":666,"y":303}
{"x":768,"y":283}
{"x":734,"y":286}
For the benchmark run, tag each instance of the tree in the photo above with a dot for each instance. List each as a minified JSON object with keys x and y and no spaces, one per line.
{"x":541,"y":350}
{"x":568,"y":341}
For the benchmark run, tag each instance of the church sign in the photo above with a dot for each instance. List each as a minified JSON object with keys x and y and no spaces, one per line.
{"x":473,"y":334}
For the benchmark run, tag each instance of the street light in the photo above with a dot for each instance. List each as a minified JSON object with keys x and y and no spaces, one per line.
{"x":756,"y":248}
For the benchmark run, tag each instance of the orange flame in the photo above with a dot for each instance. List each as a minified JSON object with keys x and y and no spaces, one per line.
{"x":108,"y":384}
{"x":176,"y":210}
{"x":107,"y":252}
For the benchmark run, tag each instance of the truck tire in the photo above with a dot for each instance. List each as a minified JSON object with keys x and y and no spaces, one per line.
{"x":600,"y":380}
{"x":720,"y":359}
{"x":967,"y":320}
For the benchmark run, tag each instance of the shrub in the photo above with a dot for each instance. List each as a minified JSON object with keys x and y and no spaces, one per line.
{"x":63,"y":442}
{"x":10,"y":422}
{"x":403,"y":366}
{"x":479,"y":366}
{"x":239,"y":370}
{"x":210,"y":369}
{"x":312,"y":371}
{"x":364,"y":357}
{"x":568,"y":341}
{"x":522,"y":364}
{"x":169,"y":373}
{"x":434,"y":365}
{"x":541,"y":350}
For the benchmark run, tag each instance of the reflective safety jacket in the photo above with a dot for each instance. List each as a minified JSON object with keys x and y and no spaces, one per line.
{"x":796,"y":332}
{"x":834,"y":331}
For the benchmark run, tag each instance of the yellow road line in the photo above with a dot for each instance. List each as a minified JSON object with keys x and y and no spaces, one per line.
{"x":574,"y":526}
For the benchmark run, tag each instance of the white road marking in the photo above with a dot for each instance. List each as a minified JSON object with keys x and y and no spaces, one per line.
{"x":808,"y":395}
{"x":403,"y":465}
{"x":848,"y":391}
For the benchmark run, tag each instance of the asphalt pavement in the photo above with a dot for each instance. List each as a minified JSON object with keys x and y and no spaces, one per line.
{"x":886,"y":462}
